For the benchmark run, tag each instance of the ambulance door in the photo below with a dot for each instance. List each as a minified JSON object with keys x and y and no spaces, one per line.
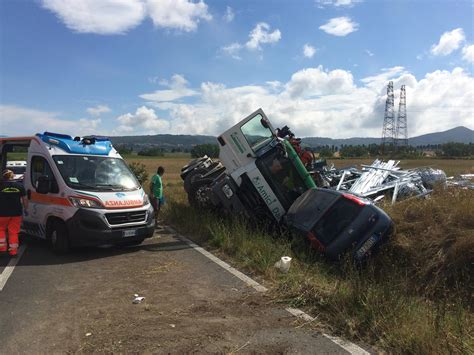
{"x":41,"y":204}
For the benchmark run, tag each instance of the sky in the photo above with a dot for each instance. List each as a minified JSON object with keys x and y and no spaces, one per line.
{"x":132,"y":67}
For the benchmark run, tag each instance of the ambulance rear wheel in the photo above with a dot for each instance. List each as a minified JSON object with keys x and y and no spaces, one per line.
{"x":59,"y":238}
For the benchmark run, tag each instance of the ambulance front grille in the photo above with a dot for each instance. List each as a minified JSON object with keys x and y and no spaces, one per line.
{"x":126,"y":217}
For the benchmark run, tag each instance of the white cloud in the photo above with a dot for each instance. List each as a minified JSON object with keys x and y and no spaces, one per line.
{"x":229,"y":14}
{"x":308,"y":51}
{"x":144,"y":119}
{"x":98,"y":110}
{"x":101,"y":17}
{"x":468,"y":53}
{"x":316,"y":81}
{"x":183,"y":15}
{"x":369,"y":53}
{"x":108,"y":17}
{"x":14,"y":118}
{"x":233,"y":50}
{"x":177,"y":89}
{"x":261,"y":34}
{"x":337,"y":3}
{"x":321,"y":102}
{"x":340,"y":26}
{"x":448,"y":42}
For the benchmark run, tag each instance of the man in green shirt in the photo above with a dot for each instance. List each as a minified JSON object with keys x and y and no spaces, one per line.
{"x":156,"y":191}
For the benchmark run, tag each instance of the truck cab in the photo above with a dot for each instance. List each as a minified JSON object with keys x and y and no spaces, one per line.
{"x":81,"y":192}
{"x":262,"y":172}
{"x":260,"y":175}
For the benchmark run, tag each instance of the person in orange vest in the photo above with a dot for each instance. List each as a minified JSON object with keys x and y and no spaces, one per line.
{"x":12,"y":201}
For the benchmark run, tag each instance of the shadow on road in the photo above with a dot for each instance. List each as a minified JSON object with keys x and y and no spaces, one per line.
{"x":38,"y":252}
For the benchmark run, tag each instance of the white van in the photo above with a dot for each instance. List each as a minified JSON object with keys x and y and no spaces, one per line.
{"x":81,"y":192}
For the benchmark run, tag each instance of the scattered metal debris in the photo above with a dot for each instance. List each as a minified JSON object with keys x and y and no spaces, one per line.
{"x":380,"y":180}
{"x":463,"y":181}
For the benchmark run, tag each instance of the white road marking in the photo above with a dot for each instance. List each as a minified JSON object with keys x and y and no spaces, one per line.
{"x":250,"y":282}
{"x":346,"y":345}
{"x":7,"y":272}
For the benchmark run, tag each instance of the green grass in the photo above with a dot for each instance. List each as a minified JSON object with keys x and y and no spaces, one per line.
{"x":415,"y":297}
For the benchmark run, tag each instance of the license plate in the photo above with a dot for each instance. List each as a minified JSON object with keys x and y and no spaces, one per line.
{"x":130,"y":233}
{"x":369,"y":243}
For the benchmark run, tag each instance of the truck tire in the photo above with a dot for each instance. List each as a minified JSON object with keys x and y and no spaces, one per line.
{"x":189,"y":178}
{"x":59,"y":238}
{"x":199,"y":193}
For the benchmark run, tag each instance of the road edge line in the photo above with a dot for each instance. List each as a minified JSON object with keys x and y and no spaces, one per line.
{"x":8,"y":271}
{"x":250,"y":282}
{"x":346,"y":345}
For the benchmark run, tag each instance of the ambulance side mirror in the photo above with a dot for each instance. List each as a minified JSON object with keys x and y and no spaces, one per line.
{"x":43,"y":185}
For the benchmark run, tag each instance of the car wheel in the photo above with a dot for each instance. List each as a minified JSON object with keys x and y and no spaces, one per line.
{"x":59,"y":238}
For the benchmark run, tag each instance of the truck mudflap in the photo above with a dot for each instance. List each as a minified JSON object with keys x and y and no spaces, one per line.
{"x":89,"y":228}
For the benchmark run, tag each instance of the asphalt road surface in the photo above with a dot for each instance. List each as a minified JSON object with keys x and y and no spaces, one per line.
{"x":82,"y":302}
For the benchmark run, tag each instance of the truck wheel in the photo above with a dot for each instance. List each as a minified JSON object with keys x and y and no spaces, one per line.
{"x":199,"y":194}
{"x":189,"y":178}
{"x":59,"y":238}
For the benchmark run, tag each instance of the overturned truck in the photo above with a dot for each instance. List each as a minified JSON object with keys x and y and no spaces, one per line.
{"x":261,"y":174}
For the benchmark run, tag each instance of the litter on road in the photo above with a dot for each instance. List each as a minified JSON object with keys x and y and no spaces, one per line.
{"x":283,"y":264}
{"x":138,"y":299}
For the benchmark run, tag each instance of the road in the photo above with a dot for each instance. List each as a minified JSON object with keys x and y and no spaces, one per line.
{"x":82,"y":302}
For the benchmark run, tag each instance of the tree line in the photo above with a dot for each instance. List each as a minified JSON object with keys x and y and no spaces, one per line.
{"x":447,"y":150}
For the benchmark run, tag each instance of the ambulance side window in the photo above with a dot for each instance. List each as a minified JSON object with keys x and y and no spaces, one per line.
{"x":40,"y":167}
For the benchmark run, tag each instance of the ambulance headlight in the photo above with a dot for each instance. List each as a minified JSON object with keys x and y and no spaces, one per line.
{"x":84,"y":203}
{"x":146,"y":200}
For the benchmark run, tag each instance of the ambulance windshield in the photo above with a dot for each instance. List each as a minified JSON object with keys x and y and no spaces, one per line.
{"x":95,"y":173}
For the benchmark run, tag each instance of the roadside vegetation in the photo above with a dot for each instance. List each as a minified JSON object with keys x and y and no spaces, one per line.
{"x":415,"y":297}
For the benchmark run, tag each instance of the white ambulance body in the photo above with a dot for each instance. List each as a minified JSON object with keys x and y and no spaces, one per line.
{"x":81,"y":192}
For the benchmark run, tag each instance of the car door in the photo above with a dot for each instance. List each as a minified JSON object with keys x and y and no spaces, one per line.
{"x":40,"y":205}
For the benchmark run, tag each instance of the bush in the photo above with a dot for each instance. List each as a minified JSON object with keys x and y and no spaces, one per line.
{"x":123,"y":149}
{"x":139,"y":170}
{"x":211,"y":150}
{"x":151,"y":152}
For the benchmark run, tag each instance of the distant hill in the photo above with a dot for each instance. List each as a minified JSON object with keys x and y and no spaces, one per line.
{"x":169,"y":141}
{"x":459,"y":134}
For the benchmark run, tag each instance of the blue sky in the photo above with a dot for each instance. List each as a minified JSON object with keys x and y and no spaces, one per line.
{"x":121,"y":67}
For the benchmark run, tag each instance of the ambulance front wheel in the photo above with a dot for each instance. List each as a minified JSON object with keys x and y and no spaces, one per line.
{"x":59,"y":238}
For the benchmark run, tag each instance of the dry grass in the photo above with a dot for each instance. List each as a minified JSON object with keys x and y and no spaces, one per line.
{"x":415,"y":297}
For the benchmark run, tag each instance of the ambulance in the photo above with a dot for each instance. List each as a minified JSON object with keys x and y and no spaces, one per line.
{"x":81,"y":192}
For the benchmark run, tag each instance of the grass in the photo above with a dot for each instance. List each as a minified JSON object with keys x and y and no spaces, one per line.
{"x":415,"y":297}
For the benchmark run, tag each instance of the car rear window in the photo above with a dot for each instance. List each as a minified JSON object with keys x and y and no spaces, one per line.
{"x":336,"y":219}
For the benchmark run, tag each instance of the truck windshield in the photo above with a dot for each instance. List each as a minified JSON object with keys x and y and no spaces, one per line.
{"x":95,"y":173}
{"x":255,"y":133}
{"x":282,"y":177}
